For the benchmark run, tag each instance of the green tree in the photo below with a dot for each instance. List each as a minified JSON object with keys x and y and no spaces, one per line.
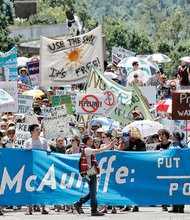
{"x":8,"y":10}
{"x":6,"y":42}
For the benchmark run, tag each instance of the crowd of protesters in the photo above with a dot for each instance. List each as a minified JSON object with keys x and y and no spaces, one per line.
{"x":100,"y":138}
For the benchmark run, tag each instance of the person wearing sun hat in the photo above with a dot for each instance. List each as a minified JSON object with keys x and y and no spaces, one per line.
{"x":9,"y":139}
{"x":23,"y":78}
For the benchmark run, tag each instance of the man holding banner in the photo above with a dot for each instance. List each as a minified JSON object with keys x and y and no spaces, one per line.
{"x":88,"y":160}
{"x":38,"y":143}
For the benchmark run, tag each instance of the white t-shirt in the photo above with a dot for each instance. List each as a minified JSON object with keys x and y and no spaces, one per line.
{"x":88,"y":152}
{"x":40,"y":144}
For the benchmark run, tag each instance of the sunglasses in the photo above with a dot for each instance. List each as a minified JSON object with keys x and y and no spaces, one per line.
{"x":10,"y":133}
{"x":3,"y":126}
{"x":96,"y":142}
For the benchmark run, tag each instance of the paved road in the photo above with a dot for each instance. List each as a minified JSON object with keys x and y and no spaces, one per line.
{"x":145,"y":213}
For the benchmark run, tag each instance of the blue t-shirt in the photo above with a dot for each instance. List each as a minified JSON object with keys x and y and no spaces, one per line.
{"x":23,"y":79}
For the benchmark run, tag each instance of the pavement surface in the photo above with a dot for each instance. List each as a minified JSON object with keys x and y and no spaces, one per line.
{"x":145,"y":213}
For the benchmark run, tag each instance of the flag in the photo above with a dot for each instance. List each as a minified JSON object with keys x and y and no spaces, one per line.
{"x":130,"y":98}
{"x":67,"y":61}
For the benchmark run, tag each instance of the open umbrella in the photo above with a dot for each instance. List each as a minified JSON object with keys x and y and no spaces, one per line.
{"x":146,"y":127}
{"x":142,"y":75}
{"x":110,"y":75}
{"x":185,"y":59}
{"x":34,"y":93}
{"x":143,"y":64}
{"x":164,"y":105}
{"x":5,"y":98}
{"x":158,"y":57}
{"x":21,"y":61}
{"x":105,"y":122}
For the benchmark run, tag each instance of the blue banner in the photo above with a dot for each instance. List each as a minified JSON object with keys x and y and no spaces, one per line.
{"x":127,"y":178}
{"x":9,"y":60}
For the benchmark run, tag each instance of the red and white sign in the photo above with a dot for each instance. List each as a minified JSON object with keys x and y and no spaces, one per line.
{"x":111,"y":102}
{"x":90,"y":104}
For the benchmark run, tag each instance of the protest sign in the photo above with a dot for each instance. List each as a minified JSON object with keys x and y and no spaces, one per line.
{"x":8,"y":60}
{"x":63,"y":99}
{"x":123,"y":176}
{"x":60,"y":92}
{"x":24,"y":103}
{"x":119,"y":53}
{"x":111,"y":102}
{"x":55,"y":121}
{"x":129,"y":98}
{"x":11,"y":89}
{"x":90,"y":104}
{"x":22,"y":134}
{"x":65,"y":62}
{"x":181,"y":105}
{"x":33,"y":70}
{"x":149,"y":92}
{"x":22,"y":87}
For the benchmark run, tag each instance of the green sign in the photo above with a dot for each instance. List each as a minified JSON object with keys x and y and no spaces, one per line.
{"x":63,"y":100}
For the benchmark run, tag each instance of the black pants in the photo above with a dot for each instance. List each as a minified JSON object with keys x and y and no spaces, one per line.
{"x":91,"y":195}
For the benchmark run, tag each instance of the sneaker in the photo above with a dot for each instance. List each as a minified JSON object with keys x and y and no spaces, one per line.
{"x":135,"y":209}
{"x":77,"y":207}
{"x":126,"y":208}
{"x":97,"y":213}
{"x":44,"y":212}
{"x":172,"y":210}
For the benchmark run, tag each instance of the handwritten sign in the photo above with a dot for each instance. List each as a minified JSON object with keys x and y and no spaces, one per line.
{"x":55,"y":121}
{"x":63,"y":99}
{"x":65,"y":62}
{"x":181,"y":106}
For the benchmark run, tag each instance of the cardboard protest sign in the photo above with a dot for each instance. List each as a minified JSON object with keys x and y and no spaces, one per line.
{"x":22,"y":134}
{"x":24,"y":103}
{"x":63,"y":99}
{"x":11,"y":89}
{"x":8,"y":60}
{"x":55,"y":121}
{"x":65,"y":62}
{"x":33,"y":70}
{"x":181,"y":105}
{"x":90,"y":104}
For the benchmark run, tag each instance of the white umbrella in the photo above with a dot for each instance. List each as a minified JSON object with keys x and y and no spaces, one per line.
{"x":158,"y":57}
{"x":143,"y":64}
{"x":142,"y":75}
{"x":5,"y":98}
{"x":146,"y":127}
{"x":110,"y":75}
{"x":21,"y":61}
{"x":185,"y":59}
{"x":105,"y":122}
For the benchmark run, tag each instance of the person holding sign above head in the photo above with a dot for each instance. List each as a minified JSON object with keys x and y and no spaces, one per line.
{"x":38,"y":143}
{"x":89,"y":169}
